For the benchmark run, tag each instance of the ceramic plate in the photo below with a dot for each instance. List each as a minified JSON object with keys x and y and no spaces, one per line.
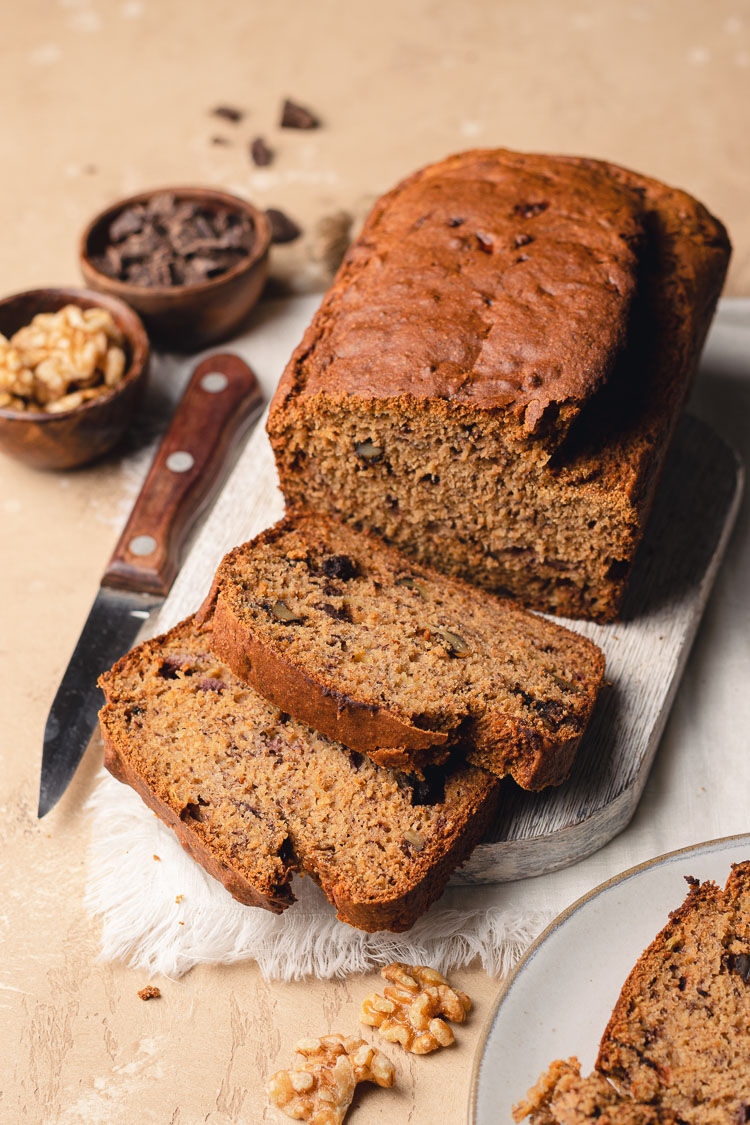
{"x":557,"y":1001}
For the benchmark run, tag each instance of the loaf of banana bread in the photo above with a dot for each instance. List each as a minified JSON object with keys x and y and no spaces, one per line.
{"x":398,"y":661}
{"x":254,"y":795}
{"x":492,"y":381}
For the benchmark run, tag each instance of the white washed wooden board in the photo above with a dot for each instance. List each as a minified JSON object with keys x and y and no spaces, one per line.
{"x":646,"y":651}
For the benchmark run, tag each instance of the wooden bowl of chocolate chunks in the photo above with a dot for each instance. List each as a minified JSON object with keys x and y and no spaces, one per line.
{"x":191,"y":261}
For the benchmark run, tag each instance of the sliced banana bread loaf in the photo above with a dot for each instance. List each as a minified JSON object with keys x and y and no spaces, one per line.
{"x":254,"y":795}
{"x":396,"y":660}
{"x":492,"y":381}
{"x":677,"y":1045}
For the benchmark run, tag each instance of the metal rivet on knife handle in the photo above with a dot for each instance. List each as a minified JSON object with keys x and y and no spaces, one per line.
{"x":142,"y":545}
{"x":214,"y":382}
{"x":180,"y":461}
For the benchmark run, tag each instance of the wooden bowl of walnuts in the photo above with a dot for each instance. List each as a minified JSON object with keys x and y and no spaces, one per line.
{"x":73,"y":364}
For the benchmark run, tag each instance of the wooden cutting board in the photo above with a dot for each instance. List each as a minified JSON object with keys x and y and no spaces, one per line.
{"x":535,"y":833}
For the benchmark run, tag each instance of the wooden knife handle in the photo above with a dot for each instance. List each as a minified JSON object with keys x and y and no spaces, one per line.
{"x":220,"y":400}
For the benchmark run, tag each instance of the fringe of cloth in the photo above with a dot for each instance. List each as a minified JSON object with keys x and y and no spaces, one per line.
{"x":161,"y":912}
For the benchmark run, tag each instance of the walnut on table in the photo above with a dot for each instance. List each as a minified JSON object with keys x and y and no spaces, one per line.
{"x":320,"y":1090}
{"x":409,"y":1011}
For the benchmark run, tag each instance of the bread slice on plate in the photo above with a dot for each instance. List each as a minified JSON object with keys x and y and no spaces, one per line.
{"x":677,"y":1046}
{"x":396,"y":660}
{"x":254,"y":795}
{"x":562,"y":1096}
{"x":679,"y":1034}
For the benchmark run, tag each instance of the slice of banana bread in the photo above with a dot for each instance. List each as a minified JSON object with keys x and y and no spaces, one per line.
{"x":679,"y":1035}
{"x":563,"y":1097}
{"x":396,"y":660}
{"x":254,"y":795}
{"x":677,"y":1045}
{"x":493,"y":379}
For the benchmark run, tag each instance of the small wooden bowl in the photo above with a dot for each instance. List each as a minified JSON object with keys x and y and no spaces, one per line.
{"x":186,"y":317}
{"x":73,"y":437}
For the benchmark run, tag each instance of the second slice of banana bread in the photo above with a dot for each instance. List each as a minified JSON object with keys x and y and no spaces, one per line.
{"x":396,"y":660}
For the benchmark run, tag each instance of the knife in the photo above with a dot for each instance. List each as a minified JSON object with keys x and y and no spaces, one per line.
{"x":221,"y":400}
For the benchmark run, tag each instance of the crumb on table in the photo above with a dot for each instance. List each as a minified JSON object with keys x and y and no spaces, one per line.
{"x":150,"y":992}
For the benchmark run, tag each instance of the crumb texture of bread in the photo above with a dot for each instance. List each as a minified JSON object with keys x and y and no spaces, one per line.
{"x":396,"y":660}
{"x":493,"y":379}
{"x":562,"y":1096}
{"x":676,"y":1050}
{"x":254,"y":795}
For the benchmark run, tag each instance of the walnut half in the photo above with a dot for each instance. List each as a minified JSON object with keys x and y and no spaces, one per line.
{"x":320,"y":1089}
{"x":409,"y":1011}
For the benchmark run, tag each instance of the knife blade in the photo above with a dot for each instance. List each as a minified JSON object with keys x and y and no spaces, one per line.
{"x":220,"y":402}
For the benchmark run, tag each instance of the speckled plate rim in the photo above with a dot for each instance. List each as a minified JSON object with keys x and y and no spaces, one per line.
{"x":708,"y":846}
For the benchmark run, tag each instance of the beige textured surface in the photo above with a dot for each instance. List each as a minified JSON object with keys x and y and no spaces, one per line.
{"x":104,"y":98}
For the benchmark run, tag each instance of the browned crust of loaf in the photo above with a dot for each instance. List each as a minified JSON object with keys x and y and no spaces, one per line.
{"x":520,"y":331}
{"x":699,"y":895}
{"x":388,"y":739}
{"x":237,"y":885}
{"x":698,"y":257}
{"x":498,"y":742}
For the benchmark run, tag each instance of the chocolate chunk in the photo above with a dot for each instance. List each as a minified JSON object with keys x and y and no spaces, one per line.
{"x":339,"y":566}
{"x":294,"y":116}
{"x":162,"y":203}
{"x":260,"y":153}
{"x":210,"y":683}
{"x":340,"y":613}
{"x":283,"y":229}
{"x":530,"y":210}
{"x":141,"y":245}
{"x":427,"y":790}
{"x":741,"y":966}
{"x":355,"y":758}
{"x":228,"y":113}
{"x":194,"y":811}
{"x":129,"y":221}
{"x":484,"y":242}
{"x":523,"y":240}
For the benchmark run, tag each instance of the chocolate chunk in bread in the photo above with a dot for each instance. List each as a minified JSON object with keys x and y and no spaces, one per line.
{"x":396,"y":660}
{"x":254,"y":795}
{"x":492,"y":381}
